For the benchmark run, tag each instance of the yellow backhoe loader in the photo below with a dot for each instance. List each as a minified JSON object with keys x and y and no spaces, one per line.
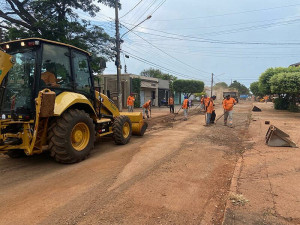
{"x":48,"y":102}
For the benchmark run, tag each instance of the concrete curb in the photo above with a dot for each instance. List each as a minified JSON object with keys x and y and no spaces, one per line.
{"x":233,"y":185}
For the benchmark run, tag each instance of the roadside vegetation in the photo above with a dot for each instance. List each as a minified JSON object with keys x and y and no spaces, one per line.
{"x":283,"y":84}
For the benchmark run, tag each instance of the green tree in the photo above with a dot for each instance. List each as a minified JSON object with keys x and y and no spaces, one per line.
{"x":136,"y":88}
{"x":287,"y":86}
{"x":265,"y":77}
{"x":200,"y":94}
{"x":220,"y":85}
{"x":156,"y":73}
{"x":57,"y":20}
{"x":242,"y":89}
{"x":188,"y":87}
{"x":254,"y":88}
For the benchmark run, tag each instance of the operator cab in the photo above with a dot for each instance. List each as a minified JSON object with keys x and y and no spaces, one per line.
{"x":41,"y":64}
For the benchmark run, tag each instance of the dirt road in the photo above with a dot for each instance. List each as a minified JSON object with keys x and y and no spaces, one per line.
{"x":178,"y":173}
{"x":267,"y":181}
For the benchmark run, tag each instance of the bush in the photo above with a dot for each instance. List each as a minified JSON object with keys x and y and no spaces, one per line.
{"x":281,"y":104}
{"x":136,"y":88}
{"x":293,"y":108}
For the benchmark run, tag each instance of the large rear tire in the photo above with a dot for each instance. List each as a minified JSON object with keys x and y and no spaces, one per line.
{"x":71,"y":137}
{"x":122,"y":130}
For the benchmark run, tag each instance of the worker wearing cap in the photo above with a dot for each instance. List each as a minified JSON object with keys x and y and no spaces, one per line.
{"x":209,"y":111}
{"x":213,"y":115}
{"x":206,"y":100}
{"x":228,"y":104}
{"x":185,"y":106}
{"x":130,"y":102}
{"x":266,"y":98}
{"x":48,"y":76}
{"x":202,"y":102}
{"x":171,"y":104}
{"x":146,"y":108}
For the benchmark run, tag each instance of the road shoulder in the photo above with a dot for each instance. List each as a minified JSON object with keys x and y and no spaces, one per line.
{"x":265,"y":186}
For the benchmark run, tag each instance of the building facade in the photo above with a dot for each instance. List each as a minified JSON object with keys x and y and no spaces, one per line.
{"x":148,"y":89}
{"x":163,"y":91}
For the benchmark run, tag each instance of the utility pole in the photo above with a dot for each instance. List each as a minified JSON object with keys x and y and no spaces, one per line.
{"x":212,"y":84}
{"x":118,"y":61}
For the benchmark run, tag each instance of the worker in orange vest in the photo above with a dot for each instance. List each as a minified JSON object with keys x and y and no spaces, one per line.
{"x":185,"y":106}
{"x":210,"y":107}
{"x":171,"y":104}
{"x":202,"y":102}
{"x":130,"y":102}
{"x":266,"y":98}
{"x":228,"y":104}
{"x":206,"y":100}
{"x":146,"y":108}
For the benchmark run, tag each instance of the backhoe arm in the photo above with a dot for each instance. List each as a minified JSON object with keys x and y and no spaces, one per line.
{"x":6,"y":63}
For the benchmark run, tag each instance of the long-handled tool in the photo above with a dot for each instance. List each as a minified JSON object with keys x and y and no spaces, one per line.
{"x":178,"y":110}
{"x":177,"y":113}
{"x":220,"y":117}
{"x":198,"y":106}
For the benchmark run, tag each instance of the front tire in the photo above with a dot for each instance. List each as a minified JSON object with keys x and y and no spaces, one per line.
{"x":122,"y":130}
{"x":71,"y":137}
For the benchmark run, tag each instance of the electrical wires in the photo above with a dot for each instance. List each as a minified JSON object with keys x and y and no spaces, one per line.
{"x":228,"y":14}
{"x":131,"y":9}
{"x":166,"y":52}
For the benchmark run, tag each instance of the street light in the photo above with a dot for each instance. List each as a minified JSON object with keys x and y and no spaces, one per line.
{"x":149,"y":17}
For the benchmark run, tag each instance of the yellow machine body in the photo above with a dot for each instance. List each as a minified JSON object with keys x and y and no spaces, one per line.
{"x":33,"y":133}
{"x":6,"y":63}
{"x":108,"y":106}
{"x":67,"y":99}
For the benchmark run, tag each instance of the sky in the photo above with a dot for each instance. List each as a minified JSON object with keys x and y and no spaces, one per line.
{"x":191,"y":39}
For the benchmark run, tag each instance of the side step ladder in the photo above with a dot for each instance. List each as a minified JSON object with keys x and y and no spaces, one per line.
{"x":277,"y":138}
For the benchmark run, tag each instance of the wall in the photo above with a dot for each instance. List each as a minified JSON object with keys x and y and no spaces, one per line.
{"x":148,"y":84}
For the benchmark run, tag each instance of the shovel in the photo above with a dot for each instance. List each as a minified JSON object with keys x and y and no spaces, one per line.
{"x":220,"y":117}
{"x":176,"y":113}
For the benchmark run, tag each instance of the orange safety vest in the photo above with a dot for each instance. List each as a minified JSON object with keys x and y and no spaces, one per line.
{"x":210,"y":106}
{"x":185,"y":103}
{"x":206,"y":100}
{"x":130,"y":100}
{"x":146,"y":105}
{"x":171,"y":101}
{"x":228,"y":104}
{"x":49,"y":79}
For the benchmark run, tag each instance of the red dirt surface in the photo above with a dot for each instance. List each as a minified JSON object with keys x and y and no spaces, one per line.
{"x":178,"y":173}
{"x":268,"y":177}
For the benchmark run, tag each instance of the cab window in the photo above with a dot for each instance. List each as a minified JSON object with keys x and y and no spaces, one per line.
{"x":82,"y":73}
{"x":56,"y":71}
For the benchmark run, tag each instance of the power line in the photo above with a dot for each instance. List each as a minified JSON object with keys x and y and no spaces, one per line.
{"x":214,"y":41}
{"x":156,"y":54}
{"x":249,"y":28}
{"x":166,"y":52}
{"x":225,"y":25}
{"x":158,"y":6}
{"x":168,"y":44}
{"x":233,"y":13}
{"x":131,"y":9}
{"x":158,"y":66}
{"x":137,"y":16}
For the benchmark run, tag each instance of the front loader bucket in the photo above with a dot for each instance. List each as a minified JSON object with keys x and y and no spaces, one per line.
{"x":277,"y":138}
{"x":138,"y":125}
